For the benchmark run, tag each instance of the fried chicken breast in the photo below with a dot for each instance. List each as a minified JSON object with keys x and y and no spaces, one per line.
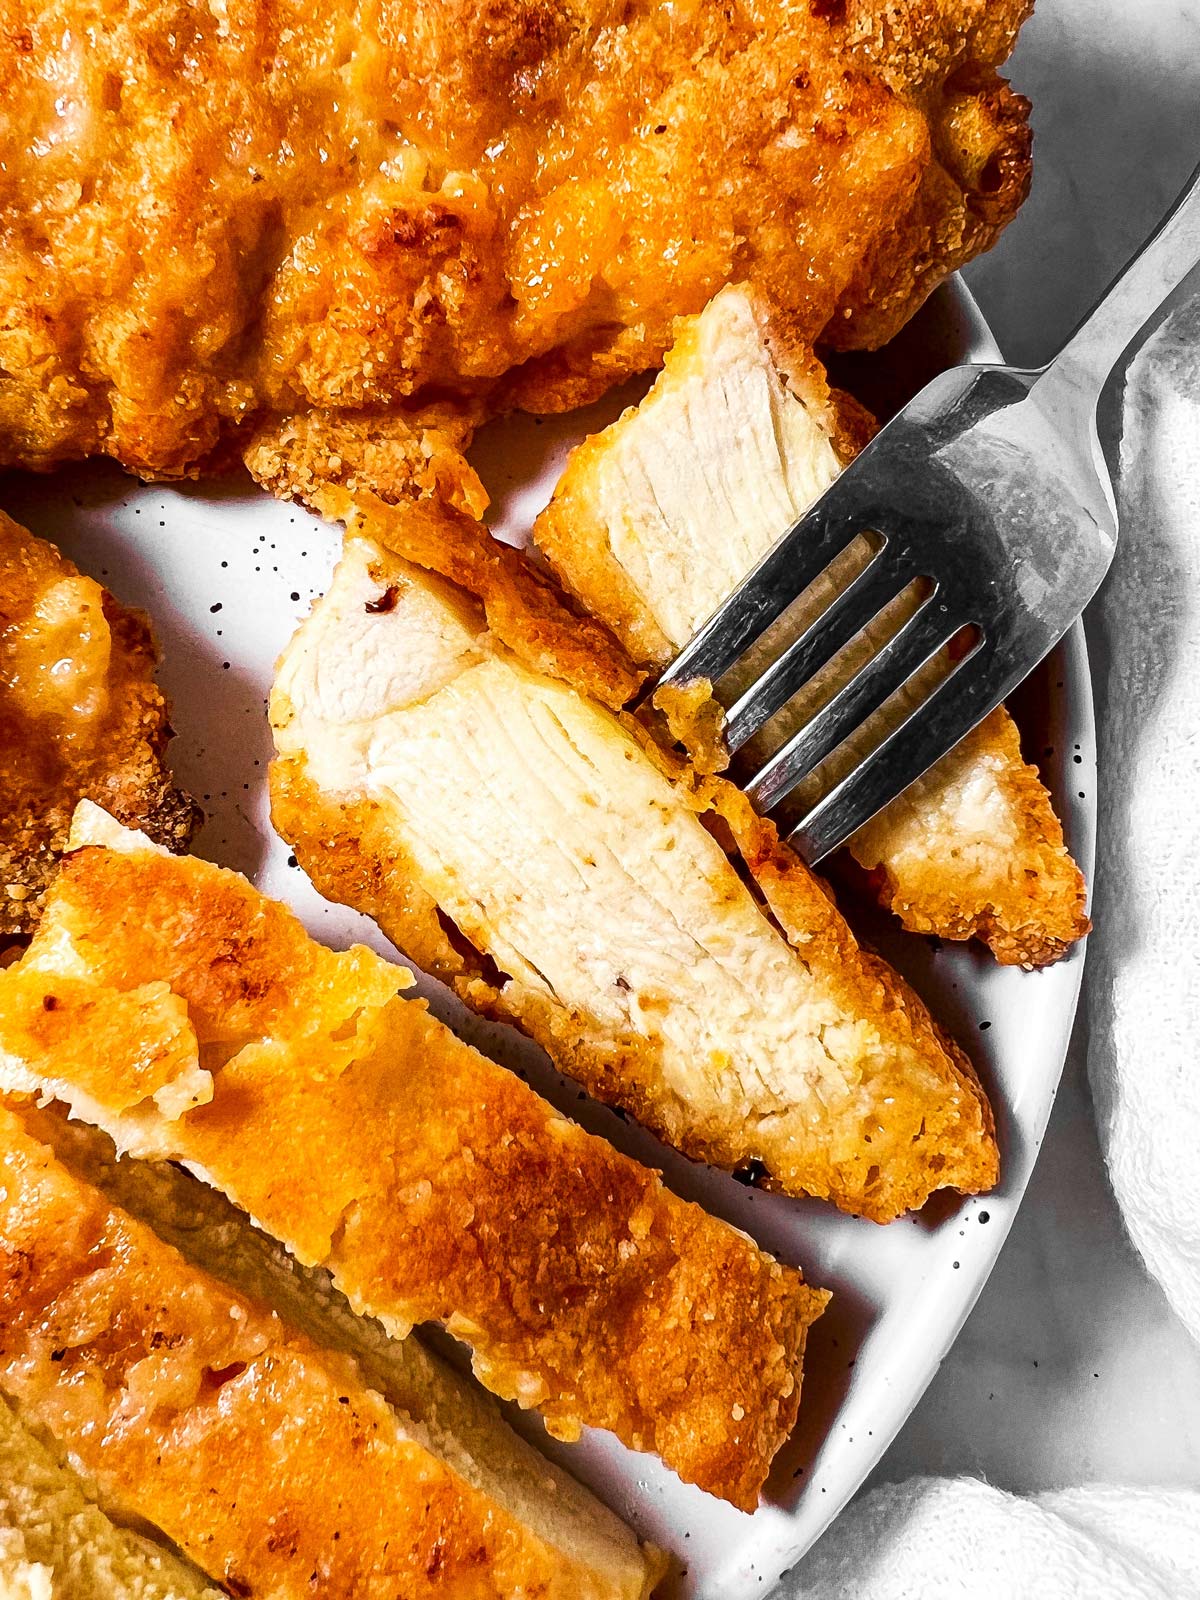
{"x":220,"y":212}
{"x":429,"y":769}
{"x":438,"y":1186}
{"x":659,"y":517}
{"x":275,"y":1455}
{"x":80,"y":716}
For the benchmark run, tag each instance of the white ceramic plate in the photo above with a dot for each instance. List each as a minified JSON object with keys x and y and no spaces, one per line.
{"x":225,"y":573}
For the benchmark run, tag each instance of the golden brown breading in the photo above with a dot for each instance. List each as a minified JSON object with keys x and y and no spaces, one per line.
{"x":268,"y":1459}
{"x":451,"y":1416}
{"x":397,"y":455}
{"x":435,"y":1185}
{"x":980,"y":168}
{"x":80,"y":716}
{"x":115,"y":1048}
{"x":214,"y":212}
{"x":656,"y":519}
{"x":425,"y":772}
{"x":1009,"y":879}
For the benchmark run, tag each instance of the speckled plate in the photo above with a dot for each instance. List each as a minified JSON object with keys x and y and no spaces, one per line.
{"x":225,"y":573}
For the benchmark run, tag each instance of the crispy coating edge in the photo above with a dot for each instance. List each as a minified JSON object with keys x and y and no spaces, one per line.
{"x":1031,"y":907}
{"x":124,"y":771}
{"x":397,"y":455}
{"x":981,"y":154}
{"x":174,"y":1392}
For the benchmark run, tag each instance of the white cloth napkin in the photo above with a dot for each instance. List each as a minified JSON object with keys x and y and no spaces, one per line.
{"x":958,"y":1537}
{"x":1143,"y":975}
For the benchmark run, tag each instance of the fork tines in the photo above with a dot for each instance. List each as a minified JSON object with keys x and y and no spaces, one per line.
{"x":846,"y":671}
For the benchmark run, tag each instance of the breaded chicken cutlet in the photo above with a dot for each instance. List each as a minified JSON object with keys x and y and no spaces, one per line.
{"x":285,"y":1448}
{"x":640,"y":923}
{"x":658,"y":518}
{"x":80,"y":716}
{"x":168,"y":1002}
{"x":216,"y":214}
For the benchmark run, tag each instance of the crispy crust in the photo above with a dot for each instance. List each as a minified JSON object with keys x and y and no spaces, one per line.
{"x":51,"y":757}
{"x":979,"y":178}
{"x":438,"y":1186}
{"x":394,"y":455}
{"x":174,"y":1394}
{"x":509,"y":200}
{"x":943,"y":54}
{"x":937,"y":1135}
{"x":116,"y":1048}
{"x":449,"y":1415}
{"x":1020,"y":892}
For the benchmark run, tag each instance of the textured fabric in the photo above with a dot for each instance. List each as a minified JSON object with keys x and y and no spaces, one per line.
{"x":958,"y":1539}
{"x":1143,"y":973}
{"x":950,"y":1538}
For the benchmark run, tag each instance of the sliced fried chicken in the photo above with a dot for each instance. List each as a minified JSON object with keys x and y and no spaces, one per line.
{"x":429,"y":769}
{"x":658,"y":518}
{"x":168,"y":1002}
{"x":274,"y":1457}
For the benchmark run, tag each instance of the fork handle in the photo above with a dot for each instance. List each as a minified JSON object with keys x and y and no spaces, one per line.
{"x":1113,"y":332}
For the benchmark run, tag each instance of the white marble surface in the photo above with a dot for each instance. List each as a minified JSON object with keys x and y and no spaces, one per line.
{"x":1072,"y":1368}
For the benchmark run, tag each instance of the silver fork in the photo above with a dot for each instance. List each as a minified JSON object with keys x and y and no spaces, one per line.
{"x":991,"y":489}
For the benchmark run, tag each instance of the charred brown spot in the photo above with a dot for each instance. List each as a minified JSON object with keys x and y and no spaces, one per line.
{"x":214,"y":1379}
{"x":386,"y":601}
{"x":49,"y":1002}
{"x":437,"y":1559}
{"x":828,"y":10}
{"x":411,"y":228}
